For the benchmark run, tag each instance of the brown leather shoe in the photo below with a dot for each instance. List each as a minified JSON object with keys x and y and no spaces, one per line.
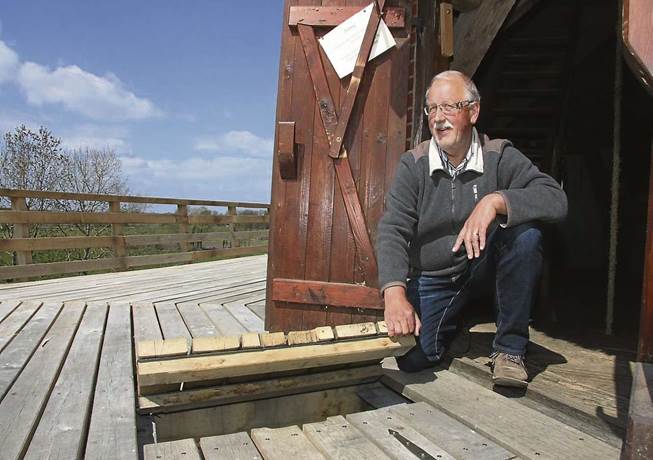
{"x":509,"y":370}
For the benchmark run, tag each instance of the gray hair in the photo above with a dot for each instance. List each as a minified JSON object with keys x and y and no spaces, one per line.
{"x":471,"y":91}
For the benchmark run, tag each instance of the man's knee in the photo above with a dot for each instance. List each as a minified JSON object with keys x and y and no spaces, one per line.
{"x":526,"y":239}
{"x":415,"y":360}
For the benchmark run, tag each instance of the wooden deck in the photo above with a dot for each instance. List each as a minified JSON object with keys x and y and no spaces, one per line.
{"x":219,"y":281}
{"x":67,"y":381}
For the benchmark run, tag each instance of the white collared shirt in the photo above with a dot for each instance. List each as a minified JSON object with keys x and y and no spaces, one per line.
{"x":473,"y":160}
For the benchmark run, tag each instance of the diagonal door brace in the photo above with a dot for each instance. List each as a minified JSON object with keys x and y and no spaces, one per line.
{"x":335,"y":130}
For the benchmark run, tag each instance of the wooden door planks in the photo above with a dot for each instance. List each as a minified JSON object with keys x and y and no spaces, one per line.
{"x":287,"y":244}
{"x":112,"y":429}
{"x":236,"y":446}
{"x":285,"y":443}
{"x":321,"y":193}
{"x":62,"y":428}
{"x":334,"y":128}
{"x":21,"y":407}
{"x":525,"y":431}
{"x":329,"y":15}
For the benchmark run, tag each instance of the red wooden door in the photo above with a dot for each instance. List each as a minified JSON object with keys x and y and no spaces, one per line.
{"x":331,"y":169}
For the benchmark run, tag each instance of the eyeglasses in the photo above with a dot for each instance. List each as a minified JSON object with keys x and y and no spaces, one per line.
{"x":448,"y":109}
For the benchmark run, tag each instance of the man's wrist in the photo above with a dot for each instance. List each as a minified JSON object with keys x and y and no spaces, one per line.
{"x":394,"y":292}
{"x":498,"y":202}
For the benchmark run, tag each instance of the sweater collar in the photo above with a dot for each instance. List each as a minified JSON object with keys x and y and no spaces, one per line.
{"x":474,"y":155}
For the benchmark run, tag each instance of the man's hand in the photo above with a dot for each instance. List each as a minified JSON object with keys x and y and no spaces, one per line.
{"x":399,"y":314}
{"x":474,"y":232}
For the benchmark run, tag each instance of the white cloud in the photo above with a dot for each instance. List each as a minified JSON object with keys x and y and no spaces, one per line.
{"x":97,"y":97}
{"x":241,"y":142}
{"x":218,"y":178}
{"x":195,"y":168}
{"x":8,"y":63}
{"x":102,"y":98}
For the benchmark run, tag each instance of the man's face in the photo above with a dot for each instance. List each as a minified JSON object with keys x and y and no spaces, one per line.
{"x":452,"y":132}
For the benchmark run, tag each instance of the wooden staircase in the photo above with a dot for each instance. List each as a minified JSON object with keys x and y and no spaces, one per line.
{"x":531,"y":71}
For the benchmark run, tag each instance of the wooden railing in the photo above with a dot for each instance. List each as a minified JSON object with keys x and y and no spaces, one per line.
{"x":189,"y":241}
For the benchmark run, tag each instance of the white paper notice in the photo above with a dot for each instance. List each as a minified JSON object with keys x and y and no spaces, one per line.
{"x":342,"y":44}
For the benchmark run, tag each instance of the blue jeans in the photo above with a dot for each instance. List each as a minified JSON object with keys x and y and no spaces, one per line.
{"x":510,"y":265}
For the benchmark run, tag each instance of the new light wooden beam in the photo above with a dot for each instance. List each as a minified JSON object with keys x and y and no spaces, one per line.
{"x":215,"y":343}
{"x":348,"y":331}
{"x":162,"y":348}
{"x":272,"y":339}
{"x":267,"y":361}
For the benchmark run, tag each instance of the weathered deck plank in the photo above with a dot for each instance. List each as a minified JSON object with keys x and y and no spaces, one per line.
{"x":20,"y":316}
{"x":220,"y":316}
{"x":170,"y":320}
{"x":61,"y":432}
{"x":112,"y":430}
{"x":245,"y":316}
{"x":459,"y":440}
{"x":14,"y":357}
{"x":146,"y":323}
{"x":196,"y":320}
{"x":240,"y":286}
{"x":173,"y":450}
{"x":21,"y":407}
{"x":519,"y":428}
{"x":7,"y":307}
{"x":160,"y":284}
{"x":236,"y":446}
{"x":375,"y":425}
{"x":285,"y":443}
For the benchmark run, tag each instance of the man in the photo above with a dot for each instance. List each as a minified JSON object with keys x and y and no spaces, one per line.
{"x":463,"y":210}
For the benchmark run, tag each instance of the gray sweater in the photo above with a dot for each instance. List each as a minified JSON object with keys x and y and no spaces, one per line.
{"x":424,"y":213}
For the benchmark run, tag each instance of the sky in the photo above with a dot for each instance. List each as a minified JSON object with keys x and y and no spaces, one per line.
{"x":183,"y":91}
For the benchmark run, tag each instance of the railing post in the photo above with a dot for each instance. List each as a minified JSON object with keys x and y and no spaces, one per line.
{"x":21,"y":231}
{"x":119,"y":250}
{"x":182,"y":212}
{"x":231,"y":211}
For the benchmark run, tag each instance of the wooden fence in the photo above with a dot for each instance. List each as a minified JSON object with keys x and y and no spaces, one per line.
{"x":20,"y":219}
